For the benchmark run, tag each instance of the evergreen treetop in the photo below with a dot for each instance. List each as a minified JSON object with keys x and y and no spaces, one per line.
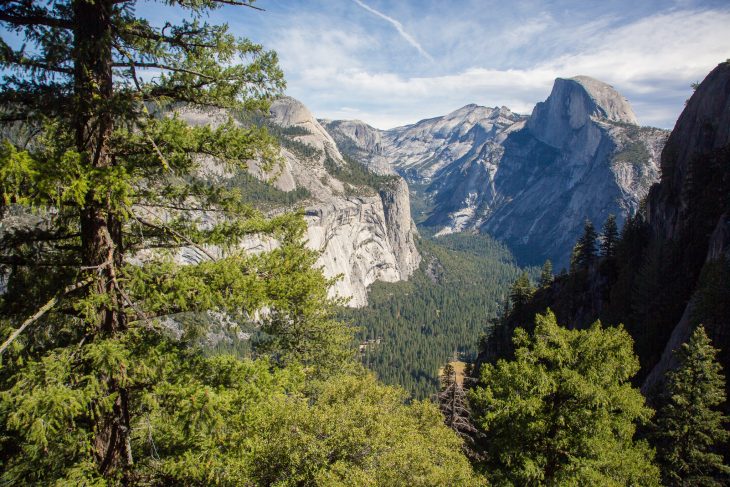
{"x":521,"y":291}
{"x":584,"y":253}
{"x":546,"y":274}
{"x":691,"y":428}
{"x":564,"y":412}
{"x":609,"y":237}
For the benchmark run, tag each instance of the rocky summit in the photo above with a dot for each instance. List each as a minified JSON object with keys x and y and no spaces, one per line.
{"x":529,"y":181}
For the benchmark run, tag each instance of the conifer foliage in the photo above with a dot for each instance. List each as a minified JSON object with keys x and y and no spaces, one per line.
{"x":546,"y":274}
{"x":609,"y":237}
{"x":585,"y":252}
{"x":564,"y":412}
{"x":521,"y":291}
{"x":690,"y":427}
{"x":100,"y":194}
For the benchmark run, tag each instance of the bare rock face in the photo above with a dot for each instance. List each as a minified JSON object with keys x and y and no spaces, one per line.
{"x":529,"y":181}
{"x":702,"y":131}
{"x":572,"y":105}
{"x":691,"y":207}
{"x":581,"y":155}
{"x":362,"y":229}
{"x":364,"y":233}
{"x":361,"y":141}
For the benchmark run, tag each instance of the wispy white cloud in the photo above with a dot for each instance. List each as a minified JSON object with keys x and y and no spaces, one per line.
{"x":399,"y":27}
{"x":651,"y":61}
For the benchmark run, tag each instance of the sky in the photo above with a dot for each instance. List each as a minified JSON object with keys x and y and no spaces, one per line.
{"x":393,"y":63}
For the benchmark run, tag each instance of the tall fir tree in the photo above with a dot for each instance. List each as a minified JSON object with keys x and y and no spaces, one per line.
{"x":521,"y":291}
{"x":97,"y":169}
{"x":691,"y":429}
{"x":584,"y":253}
{"x":564,"y":412}
{"x":546,"y":274}
{"x":609,"y":237}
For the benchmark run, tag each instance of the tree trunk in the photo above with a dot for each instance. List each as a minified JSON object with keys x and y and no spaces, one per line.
{"x":101,"y":239}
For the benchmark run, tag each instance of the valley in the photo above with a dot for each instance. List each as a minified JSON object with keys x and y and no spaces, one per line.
{"x":213,"y":272}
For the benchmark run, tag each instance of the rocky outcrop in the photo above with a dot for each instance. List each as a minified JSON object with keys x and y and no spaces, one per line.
{"x":691,"y":208}
{"x":580,"y":155}
{"x":364,"y":233}
{"x":529,"y":181}
{"x":362,"y":229}
{"x":360,"y":141}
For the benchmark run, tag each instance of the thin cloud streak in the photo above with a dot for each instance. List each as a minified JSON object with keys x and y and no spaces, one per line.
{"x":652,"y":61}
{"x":399,"y":27}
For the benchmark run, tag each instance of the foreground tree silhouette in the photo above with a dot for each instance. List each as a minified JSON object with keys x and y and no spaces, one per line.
{"x":93,"y":174}
{"x":100,"y":192}
{"x":584,"y":251}
{"x":609,"y":237}
{"x":690,"y":429}
{"x":563,"y":412}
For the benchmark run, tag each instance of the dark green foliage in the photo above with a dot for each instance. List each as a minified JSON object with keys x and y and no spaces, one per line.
{"x":441,"y":310}
{"x":609,"y":237}
{"x":286,"y":136}
{"x":584,"y":252}
{"x":223,"y":421}
{"x":546,"y":274}
{"x":521,"y":291}
{"x":563,"y":412}
{"x":690,"y":428}
{"x":634,"y":152}
{"x":264,"y":195}
{"x":357,"y":178}
{"x":107,"y":384}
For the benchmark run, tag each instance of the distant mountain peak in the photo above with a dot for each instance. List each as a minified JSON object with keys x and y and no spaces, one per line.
{"x":575,"y":103}
{"x":615,"y":107}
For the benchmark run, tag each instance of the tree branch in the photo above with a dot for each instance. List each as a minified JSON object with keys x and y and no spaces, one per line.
{"x":165,"y":67}
{"x":164,"y":228}
{"x":43,"y":310}
{"x":35,"y":20}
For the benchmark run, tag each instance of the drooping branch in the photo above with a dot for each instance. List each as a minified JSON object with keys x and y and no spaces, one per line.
{"x":43,"y":310}
{"x":165,"y":67}
{"x":167,"y":229}
{"x":34,"y":20}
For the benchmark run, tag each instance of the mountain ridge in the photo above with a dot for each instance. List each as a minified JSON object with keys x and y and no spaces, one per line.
{"x":526,"y":180}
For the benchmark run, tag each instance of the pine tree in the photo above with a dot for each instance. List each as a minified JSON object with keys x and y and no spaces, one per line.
{"x":546,"y":275}
{"x":521,"y":291}
{"x":564,"y":412}
{"x":99,"y":170}
{"x":452,"y":402}
{"x":690,"y":427}
{"x":609,"y":237}
{"x":585,"y":248}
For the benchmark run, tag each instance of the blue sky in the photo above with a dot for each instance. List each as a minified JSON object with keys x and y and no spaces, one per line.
{"x":391,"y":63}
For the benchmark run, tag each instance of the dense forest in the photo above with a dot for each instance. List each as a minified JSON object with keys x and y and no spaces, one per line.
{"x":118,"y":364}
{"x":409,"y":329}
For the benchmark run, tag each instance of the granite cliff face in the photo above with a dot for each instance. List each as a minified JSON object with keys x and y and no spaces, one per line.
{"x":529,"y":181}
{"x":360,"y":223}
{"x":690,"y":207}
{"x":581,"y":155}
{"x":364,"y":231}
